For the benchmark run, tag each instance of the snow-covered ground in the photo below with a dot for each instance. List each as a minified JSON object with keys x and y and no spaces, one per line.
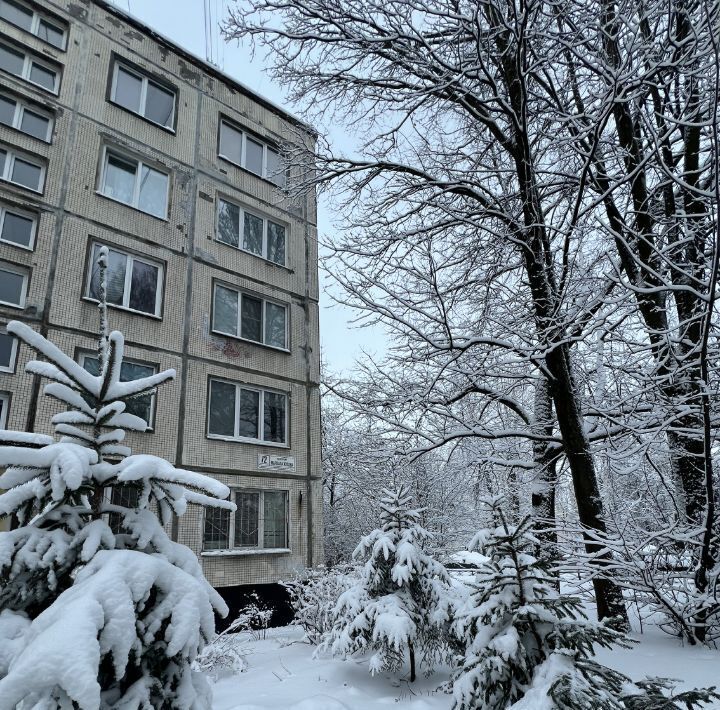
{"x":283,"y":675}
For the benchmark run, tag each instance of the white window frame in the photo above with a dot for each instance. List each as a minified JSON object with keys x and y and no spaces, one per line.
{"x":244,"y":136}
{"x":266,"y":225}
{"x":143,"y":93}
{"x":241,"y":294}
{"x":13,"y":353}
{"x":11,"y":157}
{"x":5,"y":399}
{"x":4,"y":266}
{"x":261,"y":409}
{"x":106,"y":153}
{"x":132,"y":361}
{"x":38,"y":17}
{"x":28,"y":60}
{"x":261,"y":524}
{"x":130,"y":259}
{"x":20,"y":107}
{"x":20,"y":213}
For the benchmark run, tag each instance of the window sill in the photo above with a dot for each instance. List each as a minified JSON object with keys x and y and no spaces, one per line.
{"x":18,"y":246}
{"x":282,"y":188}
{"x":244,"y":552}
{"x":22,"y":187}
{"x":132,"y":207}
{"x":254,"y":442}
{"x":52,"y":46}
{"x":145,"y":119}
{"x":20,"y":132}
{"x":274,"y":348}
{"x":52,"y":92}
{"x":87,"y":299}
{"x":256,"y":256}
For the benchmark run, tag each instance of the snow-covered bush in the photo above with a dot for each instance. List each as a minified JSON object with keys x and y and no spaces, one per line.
{"x":225,"y":654}
{"x":100,"y":607}
{"x":526,"y":646}
{"x":254,"y":618}
{"x":314,"y":595}
{"x":400,"y":603}
{"x":659,"y":567}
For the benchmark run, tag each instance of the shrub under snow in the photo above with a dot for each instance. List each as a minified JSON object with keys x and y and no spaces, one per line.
{"x":314,"y":596}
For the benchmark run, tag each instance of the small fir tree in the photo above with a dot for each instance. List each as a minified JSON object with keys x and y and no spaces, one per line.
{"x":100,"y":607}
{"x":400,"y":604}
{"x":524,"y":645}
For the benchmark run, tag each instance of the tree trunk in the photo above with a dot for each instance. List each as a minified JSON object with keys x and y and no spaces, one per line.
{"x":411,"y":649}
{"x":545,"y":473}
{"x":565,"y":396}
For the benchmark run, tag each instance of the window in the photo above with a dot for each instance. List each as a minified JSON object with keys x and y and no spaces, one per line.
{"x":17,"y":114}
{"x":216,"y":535}
{"x":132,"y":282}
{"x":13,"y":285}
{"x":125,"y":496}
{"x":21,"y":170}
{"x":24,"y":17}
{"x":253,"y":155}
{"x":246,"y":231}
{"x":134,"y":183}
{"x":246,"y":414}
{"x":137,"y":93}
{"x":17,"y":228}
{"x":260,"y":521}
{"x":142,"y":406}
{"x":4,"y":406}
{"x":8,"y":352}
{"x":244,"y":316}
{"x":28,"y":67}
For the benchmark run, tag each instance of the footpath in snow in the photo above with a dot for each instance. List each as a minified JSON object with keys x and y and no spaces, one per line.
{"x":283,"y":675}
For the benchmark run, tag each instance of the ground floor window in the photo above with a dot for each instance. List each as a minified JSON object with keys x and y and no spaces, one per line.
{"x":127,"y":497}
{"x":260,"y":521}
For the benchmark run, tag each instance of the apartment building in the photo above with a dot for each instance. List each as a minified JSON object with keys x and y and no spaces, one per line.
{"x":112,"y":135}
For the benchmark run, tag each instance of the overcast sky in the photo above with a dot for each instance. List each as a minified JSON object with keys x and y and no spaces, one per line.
{"x":182,"y":21}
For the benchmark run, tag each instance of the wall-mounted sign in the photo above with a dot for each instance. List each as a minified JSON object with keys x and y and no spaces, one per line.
{"x":271,"y":462}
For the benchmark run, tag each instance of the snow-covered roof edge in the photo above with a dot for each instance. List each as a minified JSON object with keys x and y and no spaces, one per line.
{"x":108,"y":6}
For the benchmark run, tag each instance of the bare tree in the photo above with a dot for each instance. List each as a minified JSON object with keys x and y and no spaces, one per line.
{"x":495,"y":218}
